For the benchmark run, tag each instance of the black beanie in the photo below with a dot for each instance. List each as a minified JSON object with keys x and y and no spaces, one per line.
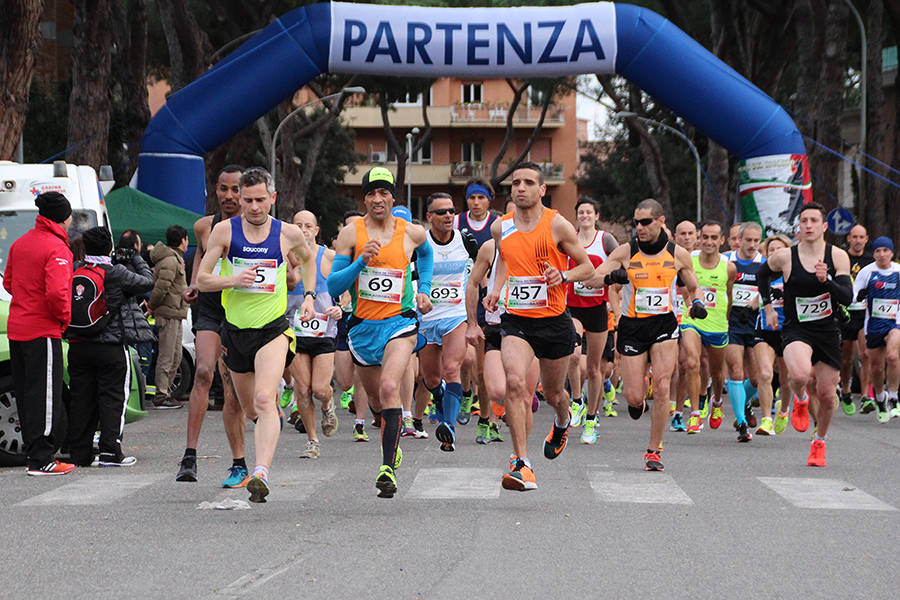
{"x":376,"y":178}
{"x":97,"y":241}
{"x":54,"y":206}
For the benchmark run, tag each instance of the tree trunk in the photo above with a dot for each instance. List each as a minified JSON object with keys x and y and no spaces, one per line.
{"x":19,"y":36}
{"x":717,"y":168}
{"x":893,"y":194}
{"x":189,"y":46}
{"x":130,"y":71}
{"x":89,"y":103}
{"x":877,"y":141}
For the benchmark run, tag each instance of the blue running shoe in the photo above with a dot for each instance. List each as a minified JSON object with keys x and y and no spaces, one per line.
{"x":237,"y":477}
{"x":446,"y":436}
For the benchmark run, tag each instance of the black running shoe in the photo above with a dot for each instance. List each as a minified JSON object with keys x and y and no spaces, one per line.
{"x":750,"y":417}
{"x":635,"y":412}
{"x":744,"y":434}
{"x":188,"y":470}
{"x":555,"y":441}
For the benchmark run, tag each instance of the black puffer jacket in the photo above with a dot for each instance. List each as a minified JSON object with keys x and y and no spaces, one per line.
{"x":123,"y":285}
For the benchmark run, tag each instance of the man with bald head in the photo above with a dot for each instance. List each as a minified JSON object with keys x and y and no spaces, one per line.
{"x":686,"y":235}
{"x":852,"y":332}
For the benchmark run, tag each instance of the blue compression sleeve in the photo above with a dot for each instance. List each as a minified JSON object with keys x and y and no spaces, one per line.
{"x":425,"y":267}
{"x":738,"y":397}
{"x":343,"y":273}
{"x":450,"y":404}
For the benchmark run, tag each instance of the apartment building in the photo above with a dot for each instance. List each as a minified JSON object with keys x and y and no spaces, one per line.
{"x":468,"y":120}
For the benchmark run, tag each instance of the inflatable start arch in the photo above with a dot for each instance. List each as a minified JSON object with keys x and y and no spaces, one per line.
{"x":600,"y":37}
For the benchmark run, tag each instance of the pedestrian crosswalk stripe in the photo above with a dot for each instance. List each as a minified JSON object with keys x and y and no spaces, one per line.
{"x":634,"y":487}
{"x":287,"y":486}
{"x":455,"y":483}
{"x":823,"y":494}
{"x":94,"y":489}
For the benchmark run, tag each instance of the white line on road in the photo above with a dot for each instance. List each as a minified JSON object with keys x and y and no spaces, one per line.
{"x":93,"y":489}
{"x":641,"y":488}
{"x":823,"y":493}
{"x":287,"y":486}
{"x":455,"y":483}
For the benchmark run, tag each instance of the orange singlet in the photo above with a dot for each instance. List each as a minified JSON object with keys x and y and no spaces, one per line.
{"x":650,"y":290}
{"x":384,"y":287}
{"x":526,"y":255}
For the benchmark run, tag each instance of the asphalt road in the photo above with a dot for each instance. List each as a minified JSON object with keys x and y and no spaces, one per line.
{"x":724,"y":520}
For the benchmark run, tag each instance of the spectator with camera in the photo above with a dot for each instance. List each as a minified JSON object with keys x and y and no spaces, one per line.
{"x":99,"y":362}
{"x":169,"y":309}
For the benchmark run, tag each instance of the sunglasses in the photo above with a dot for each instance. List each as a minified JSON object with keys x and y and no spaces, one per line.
{"x":443,"y":211}
{"x":643,"y":222}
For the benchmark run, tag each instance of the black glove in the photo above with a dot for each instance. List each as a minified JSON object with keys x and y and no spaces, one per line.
{"x":861,"y":295}
{"x":617,"y":276}
{"x":698,"y":311}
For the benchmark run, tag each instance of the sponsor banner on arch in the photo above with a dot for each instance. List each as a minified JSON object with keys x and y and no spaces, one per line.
{"x":415,"y":41}
{"x":772,"y":190}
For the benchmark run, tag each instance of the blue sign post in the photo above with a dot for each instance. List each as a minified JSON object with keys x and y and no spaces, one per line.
{"x":840,"y":221}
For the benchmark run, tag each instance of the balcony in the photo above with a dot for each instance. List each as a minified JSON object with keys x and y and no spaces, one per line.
{"x":419,"y":174}
{"x":460,"y":172}
{"x":494,"y":115}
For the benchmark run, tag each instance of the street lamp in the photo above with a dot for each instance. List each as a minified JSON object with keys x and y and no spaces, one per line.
{"x":409,"y":147}
{"x":346,"y":90}
{"x":629,"y":115}
{"x":861,"y":208}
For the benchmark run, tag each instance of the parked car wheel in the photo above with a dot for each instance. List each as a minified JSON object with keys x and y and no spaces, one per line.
{"x":12,"y":454}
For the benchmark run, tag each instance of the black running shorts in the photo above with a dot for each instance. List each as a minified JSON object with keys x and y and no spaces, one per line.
{"x":491,"y":338}
{"x":635,"y":336}
{"x":549,"y":337}
{"x":241,"y":345}
{"x":850,"y":330}
{"x":825,"y":344}
{"x":772,"y":338}
{"x":314,"y":346}
{"x":594,"y":319}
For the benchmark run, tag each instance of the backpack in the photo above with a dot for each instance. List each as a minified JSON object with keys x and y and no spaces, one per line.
{"x":90,"y":312}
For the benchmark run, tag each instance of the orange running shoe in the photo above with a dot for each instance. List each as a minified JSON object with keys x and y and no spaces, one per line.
{"x":715,"y":417}
{"x":52,"y":468}
{"x":652,"y":462}
{"x":520,"y":478}
{"x":694,"y":424}
{"x":816,"y":454}
{"x":800,"y":416}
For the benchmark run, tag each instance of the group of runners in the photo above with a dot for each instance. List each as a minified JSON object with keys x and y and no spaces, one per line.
{"x":414,"y":321}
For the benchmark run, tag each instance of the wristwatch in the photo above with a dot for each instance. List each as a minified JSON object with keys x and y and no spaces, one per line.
{"x":309,"y":293}
{"x":564,"y":278}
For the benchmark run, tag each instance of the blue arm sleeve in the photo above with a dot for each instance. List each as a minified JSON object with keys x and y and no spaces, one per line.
{"x":343,"y":273}
{"x":425,"y":267}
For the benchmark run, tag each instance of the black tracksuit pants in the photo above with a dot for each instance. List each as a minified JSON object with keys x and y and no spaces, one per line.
{"x":100,"y":382}
{"x":37,"y":370}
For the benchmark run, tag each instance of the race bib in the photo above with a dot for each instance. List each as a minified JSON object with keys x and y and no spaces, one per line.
{"x":743,"y":295}
{"x":651,"y":301}
{"x":315,"y":327}
{"x":779,"y":301}
{"x":587,"y":291}
{"x":381,"y":285}
{"x":885,"y":308}
{"x":709,"y":296}
{"x":266,"y":274}
{"x":813,"y":309}
{"x":445,"y":293}
{"x":526,"y":293}
{"x":679,"y":304}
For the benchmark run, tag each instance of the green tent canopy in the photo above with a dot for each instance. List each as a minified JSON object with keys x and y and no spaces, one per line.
{"x":129,"y":208}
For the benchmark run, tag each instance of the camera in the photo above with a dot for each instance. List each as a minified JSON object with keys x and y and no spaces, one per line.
{"x":123,"y":256}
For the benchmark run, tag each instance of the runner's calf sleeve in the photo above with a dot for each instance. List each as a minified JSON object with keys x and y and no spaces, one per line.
{"x":749,"y":389}
{"x":738,"y":398}
{"x":343,"y":273}
{"x":390,"y":435}
{"x":451,"y":403}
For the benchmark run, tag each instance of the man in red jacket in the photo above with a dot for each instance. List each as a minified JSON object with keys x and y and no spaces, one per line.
{"x":39,"y":277}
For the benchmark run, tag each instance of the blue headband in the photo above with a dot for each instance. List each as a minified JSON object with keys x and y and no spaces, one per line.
{"x":477,"y":188}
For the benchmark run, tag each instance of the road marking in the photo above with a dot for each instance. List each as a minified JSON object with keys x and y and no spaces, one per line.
{"x":640,"y":488}
{"x":823,"y":493}
{"x":93,"y":489}
{"x":455,"y":483}
{"x":286,"y":486}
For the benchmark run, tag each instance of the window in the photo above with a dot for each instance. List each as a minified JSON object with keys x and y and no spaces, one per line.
{"x":471,"y":152}
{"x":423,"y":156}
{"x":471,"y":93}
{"x":411,"y":98}
{"x":535,"y":97}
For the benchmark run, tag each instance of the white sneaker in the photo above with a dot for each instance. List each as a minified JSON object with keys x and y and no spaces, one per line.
{"x":127,"y":461}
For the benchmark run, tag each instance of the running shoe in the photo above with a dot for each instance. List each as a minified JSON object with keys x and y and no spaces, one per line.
{"x":419,"y":433}
{"x":695,"y":424}
{"x":476,"y":406}
{"x":483,"y":433}
{"x":687,"y":403}
{"x":376,"y":420}
{"x":883,"y":414}
{"x":744,"y":434}
{"x":609,"y":410}
{"x":188,"y":469}
{"x":652,"y":462}
{"x":398,"y":458}
{"x":237,"y":477}
{"x":407,"y":429}
{"x":286,"y":396}
{"x":895,"y":408}
{"x":847,"y":404}
{"x":816,"y":454}
{"x":346,"y":397}
{"x":677,"y":423}
{"x":258,"y":487}
{"x":165,"y":403}
{"x":359,"y":433}
{"x":781,"y":420}
{"x":635,"y":412}
{"x":579,"y":410}
{"x":52,"y":468}
{"x":749,"y":416}
{"x":431,"y":411}
{"x":765,"y":428}
{"x":555,"y":442}
{"x":446,"y":436}
{"x":867,"y":406}
{"x":108,"y":460}
{"x":715,"y":419}
{"x":311,"y":451}
{"x":671,"y":407}
{"x":495,"y":433}
{"x":704,"y":407}
{"x":294,"y":418}
{"x":520,"y":478}
{"x":299,"y":426}
{"x":589,"y":435}
{"x":609,"y":392}
{"x":329,"y":422}
{"x":465,"y":410}
{"x":386,"y":482}
{"x":800,"y":415}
